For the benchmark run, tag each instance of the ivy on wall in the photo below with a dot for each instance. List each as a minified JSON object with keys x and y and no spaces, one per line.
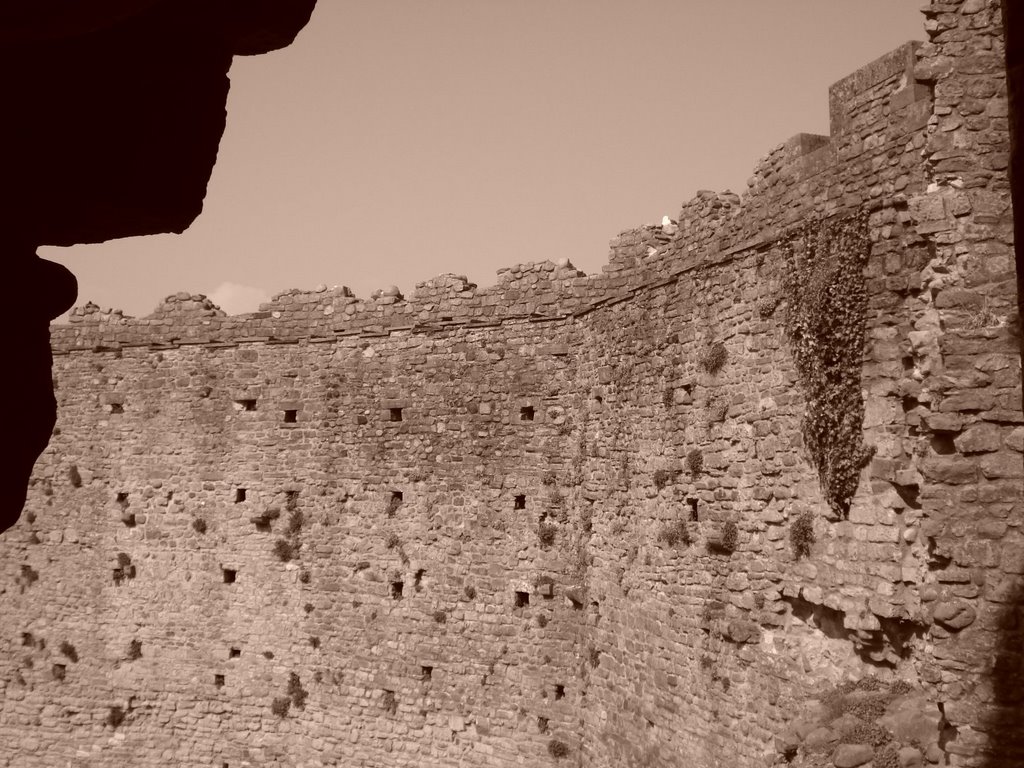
{"x":824,"y":287}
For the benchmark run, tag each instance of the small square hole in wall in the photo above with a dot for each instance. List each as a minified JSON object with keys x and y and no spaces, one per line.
{"x":234,"y":653}
{"x":417,"y":581}
{"x":426,"y":672}
{"x":522,"y":599}
{"x":526,"y":413}
{"x":239,"y":495}
{"x":559,"y":692}
{"x":116,"y":408}
{"x":289,"y":416}
{"x":122,"y":498}
{"x":542,"y":724}
{"x":520,"y":501}
{"x":694,"y":514}
{"x":230,"y":575}
{"x":59,"y":671}
{"x":218,"y":680}
{"x":395,"y":414}
{"x":245,"y":405}
{"x":396,"y":590}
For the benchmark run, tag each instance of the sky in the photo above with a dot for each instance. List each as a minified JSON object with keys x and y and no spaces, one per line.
{"x":396,"y":140}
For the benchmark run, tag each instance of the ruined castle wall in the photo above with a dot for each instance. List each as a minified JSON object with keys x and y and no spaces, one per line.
{"x":567,"y":575}
{"x":172,"y":433}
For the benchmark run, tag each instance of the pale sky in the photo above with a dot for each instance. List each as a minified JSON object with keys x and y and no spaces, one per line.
{"x":399,"y":139}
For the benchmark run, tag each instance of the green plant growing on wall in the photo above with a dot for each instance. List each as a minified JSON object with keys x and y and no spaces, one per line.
{"x":730,"y":537}
{"x":134,"y":650}
{"x":280,"y":706}
{"x":824,"y":286}
{"x":546,"y":533}
{"x":801,"y":534}
{"x":766,"y":306}
{"x":296,"y":692}
{"x":694,"y":463}
{"x":587,"y":519}
{"x":558,"y":749}
{"x":285,"y":550}
{"x":675,"y":533}
{"x":68,"y":650}
{"x":713,"y":358}
{"x":662,"y":477}
{"x":29,"y":575}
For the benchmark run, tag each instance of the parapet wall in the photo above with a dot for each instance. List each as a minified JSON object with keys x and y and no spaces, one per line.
{"x":556,"y":519}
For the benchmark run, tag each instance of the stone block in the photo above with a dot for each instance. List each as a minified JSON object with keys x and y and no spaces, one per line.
{"x":954,"y":615}
{"x":909,"y":757}
{"x":852,"y":755}
{"x":1002,"y":465}
{"x":951,"y":470}
{"x":979,"y":438}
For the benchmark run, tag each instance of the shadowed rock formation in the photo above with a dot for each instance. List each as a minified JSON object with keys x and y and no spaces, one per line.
{"x":113,"y":112}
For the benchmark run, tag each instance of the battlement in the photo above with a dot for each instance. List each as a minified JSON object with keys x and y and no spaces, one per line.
{"x":707,"y":227}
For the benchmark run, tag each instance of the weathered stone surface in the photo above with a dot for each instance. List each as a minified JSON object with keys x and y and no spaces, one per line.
{"x":454,"y":449}
{"x":821,"y":737}
{"x":980,"y":438}
{"x":912,"y":719}
{"x":910,"y":757}
{"x":852,"y":755}
{"x":954,"y":614}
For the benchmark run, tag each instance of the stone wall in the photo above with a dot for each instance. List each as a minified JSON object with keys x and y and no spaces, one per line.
{"x":558,"y":519}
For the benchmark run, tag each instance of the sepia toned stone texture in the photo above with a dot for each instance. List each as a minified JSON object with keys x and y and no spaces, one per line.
{"x":565,"y":517}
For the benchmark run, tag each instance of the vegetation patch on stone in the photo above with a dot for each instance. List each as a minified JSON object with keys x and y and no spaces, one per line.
{"x":801,"y":534}
{"x":713,"y":358}
{"x":558,"y":749}
{"x":674,"y":534}
{"x":826,"y":295}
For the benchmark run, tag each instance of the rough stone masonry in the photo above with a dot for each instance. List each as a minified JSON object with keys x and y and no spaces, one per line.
{"x":751,"y":496}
